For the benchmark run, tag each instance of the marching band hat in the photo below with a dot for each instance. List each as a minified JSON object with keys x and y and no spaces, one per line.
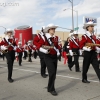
{"x":90,"y":23}
{"x":19,"y":42}
{"x":49,"y":27}
{"x":29,"y":41}
{"x":42,"y":28}
{"x":9,"y":30}
{"x":75,"y":32}
{"x":70,"y":34}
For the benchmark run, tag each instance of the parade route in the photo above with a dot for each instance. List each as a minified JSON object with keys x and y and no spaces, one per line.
{"x":29,"y":85}
{"x":47,"y":73}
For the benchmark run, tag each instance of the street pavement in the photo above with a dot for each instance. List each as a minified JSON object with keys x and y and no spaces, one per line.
{"x":29,"y":85}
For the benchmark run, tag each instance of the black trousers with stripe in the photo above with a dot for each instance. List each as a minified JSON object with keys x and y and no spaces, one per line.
{"x":42,"y":62}
{"x":20,"y":58}
{"x":76,"y":59}
{"x":90,"y":58}
{"x":29,"y":56}
{"x":10,"y":56}
{"x":25,"y":55}
{"x":51,"y":63}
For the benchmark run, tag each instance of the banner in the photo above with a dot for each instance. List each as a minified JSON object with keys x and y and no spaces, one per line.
{"x":87,"y":19}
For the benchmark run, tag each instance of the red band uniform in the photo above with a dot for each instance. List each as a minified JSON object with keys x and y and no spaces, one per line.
{"x":36,"y":41}
{"x":98,"y":51}
{"x":66,"y":49}
{"x":19,"y":53}
{"x":25,"y":51}
{"x":90,"y":55}
{"x":10,"y":54}
{"x":30,"y":50}
{"x":74,"y":48}
{"x":50,"y":56}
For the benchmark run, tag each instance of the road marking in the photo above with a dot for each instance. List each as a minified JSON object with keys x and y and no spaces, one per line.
{"x":56,"y":75}
{"x":94,"y":97}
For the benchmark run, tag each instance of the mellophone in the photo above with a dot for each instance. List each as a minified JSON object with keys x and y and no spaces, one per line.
{"x":6,"y":50}
{"x":47,"y":47}
{"x":91,"y":44}
{"x":50,"y":47}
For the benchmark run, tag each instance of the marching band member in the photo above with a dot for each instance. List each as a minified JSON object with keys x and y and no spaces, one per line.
{"x":37,"y":38}
{"x":30,"y":51}
{"x":25,"y":51}
{"x":66,"y":49}
{"x":60,"y":44}
{"x":19,"y":53}
{"x":50,"y":55}
{"x":90,"y":55}
{"x":98,"y":52}
{"x":9,"y":47}
{"x":35,"y":53}
{"x":74,"y":48}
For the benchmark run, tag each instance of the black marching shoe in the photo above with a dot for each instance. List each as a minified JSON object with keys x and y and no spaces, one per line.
{"x":78,"y":71}
{"x":85,"y":81}
{"x":69,"y":67}
{"x":20,"y":64}
{"x":54,"y":93}
{"x":44,"y":75}
{"x":10,"y":80}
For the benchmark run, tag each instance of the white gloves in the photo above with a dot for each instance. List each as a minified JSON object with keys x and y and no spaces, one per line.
{"x":26,"y":51}
{"x":58,"y":54}
{"x":80,"y":52}
{"x":16,"y":54}
{"x":71,"y":53}
{"x":3,"y":48}
{"x":32,"y":51}
{"x":98,"y":49}
{"x":23,"y":54}
{"x":44,"y":50}
{"x":86,"y":48}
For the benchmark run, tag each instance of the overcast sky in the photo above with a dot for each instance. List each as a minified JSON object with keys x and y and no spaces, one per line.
{"x":37,"y":13}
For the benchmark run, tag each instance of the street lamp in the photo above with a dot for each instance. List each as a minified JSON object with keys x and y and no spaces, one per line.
{"x":71,"y":1}
{"x":3,"y":27}
{"x":64,"y":28}
{"x":76,"y":14}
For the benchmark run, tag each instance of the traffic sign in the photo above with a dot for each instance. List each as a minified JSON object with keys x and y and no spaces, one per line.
{"x":77,"y":28}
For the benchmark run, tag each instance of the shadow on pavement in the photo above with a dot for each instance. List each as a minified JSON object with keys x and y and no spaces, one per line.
{"x":24,"y":77}
{"x":67,"y":86}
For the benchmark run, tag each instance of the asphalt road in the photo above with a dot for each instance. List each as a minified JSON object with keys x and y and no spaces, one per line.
{"x":29,"y":85}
